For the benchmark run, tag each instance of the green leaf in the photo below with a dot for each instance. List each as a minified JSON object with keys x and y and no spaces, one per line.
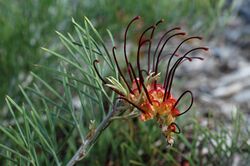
{"x":14,"y":152}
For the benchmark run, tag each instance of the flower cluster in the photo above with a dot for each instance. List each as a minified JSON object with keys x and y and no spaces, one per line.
{"x":142,"y":91}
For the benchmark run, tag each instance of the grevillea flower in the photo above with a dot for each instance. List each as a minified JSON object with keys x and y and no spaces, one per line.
{"x":141,"y":90}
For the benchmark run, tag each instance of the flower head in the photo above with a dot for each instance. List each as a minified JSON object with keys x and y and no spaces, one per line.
{"x":142,"y":90}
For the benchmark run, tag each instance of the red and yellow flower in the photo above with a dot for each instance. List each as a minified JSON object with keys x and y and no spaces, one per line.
{"x":154,"y":100}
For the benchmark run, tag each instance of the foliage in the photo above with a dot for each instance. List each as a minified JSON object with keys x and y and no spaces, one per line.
{"x":28,"y":25}
{"x":138,"y":143}
{"x":65,"y":101}
{"x":25,"y":26}
{"x":47,"y":125}
{"x":56,"y":119}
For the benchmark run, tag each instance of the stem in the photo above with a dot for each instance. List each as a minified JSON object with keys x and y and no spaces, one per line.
{"x":89,"y":141}
{"x":131,"y":115}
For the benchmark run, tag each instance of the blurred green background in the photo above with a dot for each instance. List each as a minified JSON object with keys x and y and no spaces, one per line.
{"x":28,"y":25}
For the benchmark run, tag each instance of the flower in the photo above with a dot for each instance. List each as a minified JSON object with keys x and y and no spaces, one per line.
{"x":154,"y":100}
